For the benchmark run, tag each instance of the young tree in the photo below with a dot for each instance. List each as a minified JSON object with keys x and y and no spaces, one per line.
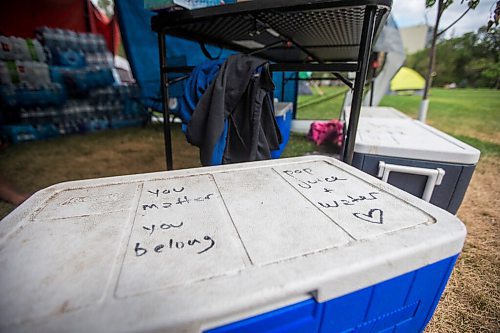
{"x":442,"y":5}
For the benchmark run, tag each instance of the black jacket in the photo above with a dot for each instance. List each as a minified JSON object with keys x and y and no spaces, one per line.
{"x":243,"y":101}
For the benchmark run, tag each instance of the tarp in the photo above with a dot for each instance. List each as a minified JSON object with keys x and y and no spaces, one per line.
{"x":390,"y":43}
{"x":407,"y":79}
{"x":108,"y":27}
{"x":20,"y":18}
{"x":141,"y":46}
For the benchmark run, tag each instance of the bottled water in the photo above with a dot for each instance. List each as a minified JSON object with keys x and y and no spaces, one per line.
{"x":71,"y":40}
{"x":44,"y":74}
{"x":20,"y":49}
{"x":84,"y":70}
{"x":16,"y":48}
{"x":85,"y":41}
{"x":48,"y":37}
{"x":6,"y":48}
{"x":21,"y":74}
{"x":60,"y":39}
{"x":5,"y":78}
{"x":101,"y":44}
{"x":39,"y":51}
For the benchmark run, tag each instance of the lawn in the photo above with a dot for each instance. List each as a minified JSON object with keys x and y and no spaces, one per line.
{"x":327,"y":106}
{"x":471,"y":302}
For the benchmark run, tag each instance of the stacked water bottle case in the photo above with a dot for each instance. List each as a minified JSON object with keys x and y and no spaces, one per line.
{"x":62,"y":82}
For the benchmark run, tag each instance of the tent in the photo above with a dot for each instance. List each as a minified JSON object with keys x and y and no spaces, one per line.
{"x":407,"y":79}
{"x":389,"y":44}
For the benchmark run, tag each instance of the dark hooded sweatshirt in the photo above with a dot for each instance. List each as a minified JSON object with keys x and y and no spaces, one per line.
{"x":238,"y":105}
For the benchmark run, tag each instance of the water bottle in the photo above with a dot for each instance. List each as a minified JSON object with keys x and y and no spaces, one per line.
{"x":25,"y":49}
{"x":96,"y":44}
{"x":6,"y":48}
{"x":45,"y":74}
{"x":24,"y":115}
{"x":39,"y":33}
{"x":39,"y":51}
{"x":108,"y":59}
{"x":5,"y":78}
{"x":101,"y":44}
{"x":31,"y":72}
{"x":90,"y":58}
{"x":40,"y":115}
{"x":20,"y":49}
{"x":15,"y":51}
{"x":70,"y":39}
{"x":8,"y":95}
{"x":59,"y":39}
{"x":84,"y":42}
{"x":21,"y":73}
{"x":49,"y":38}
{"x":90,"y":43}
{"x":34,"y":74}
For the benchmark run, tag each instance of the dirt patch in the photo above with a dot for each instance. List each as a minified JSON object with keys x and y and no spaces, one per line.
{"x":471,"y":302}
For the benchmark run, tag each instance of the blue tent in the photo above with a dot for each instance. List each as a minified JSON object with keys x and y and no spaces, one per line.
{"x":141,"y":46}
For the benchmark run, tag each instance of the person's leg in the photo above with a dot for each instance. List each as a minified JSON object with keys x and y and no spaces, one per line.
{"x":9,"y":193}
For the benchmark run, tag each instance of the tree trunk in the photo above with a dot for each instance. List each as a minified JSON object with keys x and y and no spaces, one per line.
{"x":424,"y":105}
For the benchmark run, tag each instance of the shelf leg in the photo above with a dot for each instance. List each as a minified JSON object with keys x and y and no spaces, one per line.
{"x":365,"y":49}
{"x":164,"y":101}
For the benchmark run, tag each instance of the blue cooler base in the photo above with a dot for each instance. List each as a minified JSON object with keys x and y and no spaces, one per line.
{"x":403,"y":304}
{"x":285,"y":125}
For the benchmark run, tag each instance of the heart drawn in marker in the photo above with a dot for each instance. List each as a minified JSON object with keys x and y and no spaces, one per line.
{"x":374,"y":216}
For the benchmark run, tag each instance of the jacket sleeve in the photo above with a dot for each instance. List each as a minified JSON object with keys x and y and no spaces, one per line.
{"x":207,"y":123}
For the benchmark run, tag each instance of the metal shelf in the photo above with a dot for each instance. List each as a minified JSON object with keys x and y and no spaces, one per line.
{"x":297,"y":35}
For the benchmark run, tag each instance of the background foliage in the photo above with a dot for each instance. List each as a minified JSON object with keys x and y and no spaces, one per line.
{"x":471,"y":60}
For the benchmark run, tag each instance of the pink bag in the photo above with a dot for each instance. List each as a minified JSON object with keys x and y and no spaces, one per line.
{"x":331,"y":131}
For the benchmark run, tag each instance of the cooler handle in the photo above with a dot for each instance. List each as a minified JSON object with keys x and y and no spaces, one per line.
{"x":435,"y":176}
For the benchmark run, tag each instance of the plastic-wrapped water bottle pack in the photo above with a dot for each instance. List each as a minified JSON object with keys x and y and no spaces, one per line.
{"x":63,"y":82}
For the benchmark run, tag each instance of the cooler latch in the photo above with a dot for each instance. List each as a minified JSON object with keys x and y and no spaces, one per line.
{"x":435,"y":176}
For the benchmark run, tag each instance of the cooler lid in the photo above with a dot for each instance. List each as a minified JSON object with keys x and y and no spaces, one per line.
{"x":282,"y":108}
{"x":375,"y":112}
{"x":192,"y":249}
{"x":408,"y":138}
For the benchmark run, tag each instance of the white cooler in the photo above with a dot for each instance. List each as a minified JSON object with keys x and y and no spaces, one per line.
{"x":417,"y":158}
{"x":294,"y":245}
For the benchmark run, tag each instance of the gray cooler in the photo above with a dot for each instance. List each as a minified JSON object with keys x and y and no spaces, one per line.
{"x":416,"y":158}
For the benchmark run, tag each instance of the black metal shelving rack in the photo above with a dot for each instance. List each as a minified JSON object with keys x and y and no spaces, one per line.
{"x":295,"y":35}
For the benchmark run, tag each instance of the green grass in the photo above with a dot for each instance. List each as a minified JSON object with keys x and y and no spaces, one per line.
{"x":327,"y":106}
{"x":486,"y":148}
{"x":298,"y":145}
